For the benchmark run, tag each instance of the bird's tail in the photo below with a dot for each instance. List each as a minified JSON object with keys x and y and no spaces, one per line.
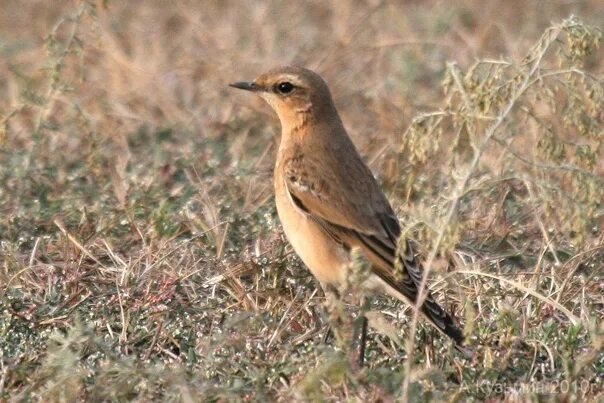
{"x":400,"y":268}
{"x":404,"y":281}
{"x":442,"y":320}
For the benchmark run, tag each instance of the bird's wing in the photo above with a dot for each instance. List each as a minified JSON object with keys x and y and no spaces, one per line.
{"x":345,"y":199}
{"x":347,"y":203}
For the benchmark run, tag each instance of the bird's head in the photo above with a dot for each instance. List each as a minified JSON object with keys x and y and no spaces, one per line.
{"x":295,"y":93}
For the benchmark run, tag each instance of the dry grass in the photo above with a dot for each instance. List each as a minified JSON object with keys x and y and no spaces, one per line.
{"x":140,"y":252}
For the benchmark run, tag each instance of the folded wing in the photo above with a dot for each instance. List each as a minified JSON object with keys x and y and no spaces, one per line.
{"x":358,"y":214}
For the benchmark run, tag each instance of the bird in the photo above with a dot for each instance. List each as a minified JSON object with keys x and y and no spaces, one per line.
{"x":329,"y":202}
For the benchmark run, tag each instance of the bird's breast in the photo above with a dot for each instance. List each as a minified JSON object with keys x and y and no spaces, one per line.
{"x":326,"y":259}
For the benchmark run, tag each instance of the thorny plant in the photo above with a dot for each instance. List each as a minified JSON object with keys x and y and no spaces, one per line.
{"x":536,"y":103}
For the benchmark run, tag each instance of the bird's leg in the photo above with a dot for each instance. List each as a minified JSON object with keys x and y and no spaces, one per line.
{"x":332,"y":305}
{"x":321,"y":319}
{"x":360,"y":332}
{"x":327,"y":336}
{"x":355,"y":345}
{"x":362,"y":340}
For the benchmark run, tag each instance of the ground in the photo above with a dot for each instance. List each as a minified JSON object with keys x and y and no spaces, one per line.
{"x":141,"y":257}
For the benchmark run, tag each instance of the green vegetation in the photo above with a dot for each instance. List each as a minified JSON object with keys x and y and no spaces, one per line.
{"x":141,"y":257}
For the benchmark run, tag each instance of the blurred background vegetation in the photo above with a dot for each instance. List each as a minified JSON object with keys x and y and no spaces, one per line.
{"x":141,"y":257}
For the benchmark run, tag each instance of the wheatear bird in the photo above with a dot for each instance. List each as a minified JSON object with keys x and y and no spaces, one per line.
{"x":327,"y":198}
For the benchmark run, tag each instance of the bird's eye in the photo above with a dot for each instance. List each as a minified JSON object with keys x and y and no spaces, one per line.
{"x":285,"y":87}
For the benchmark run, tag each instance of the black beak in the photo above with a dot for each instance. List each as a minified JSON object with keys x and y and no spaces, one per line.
{"x":243,"y":85}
